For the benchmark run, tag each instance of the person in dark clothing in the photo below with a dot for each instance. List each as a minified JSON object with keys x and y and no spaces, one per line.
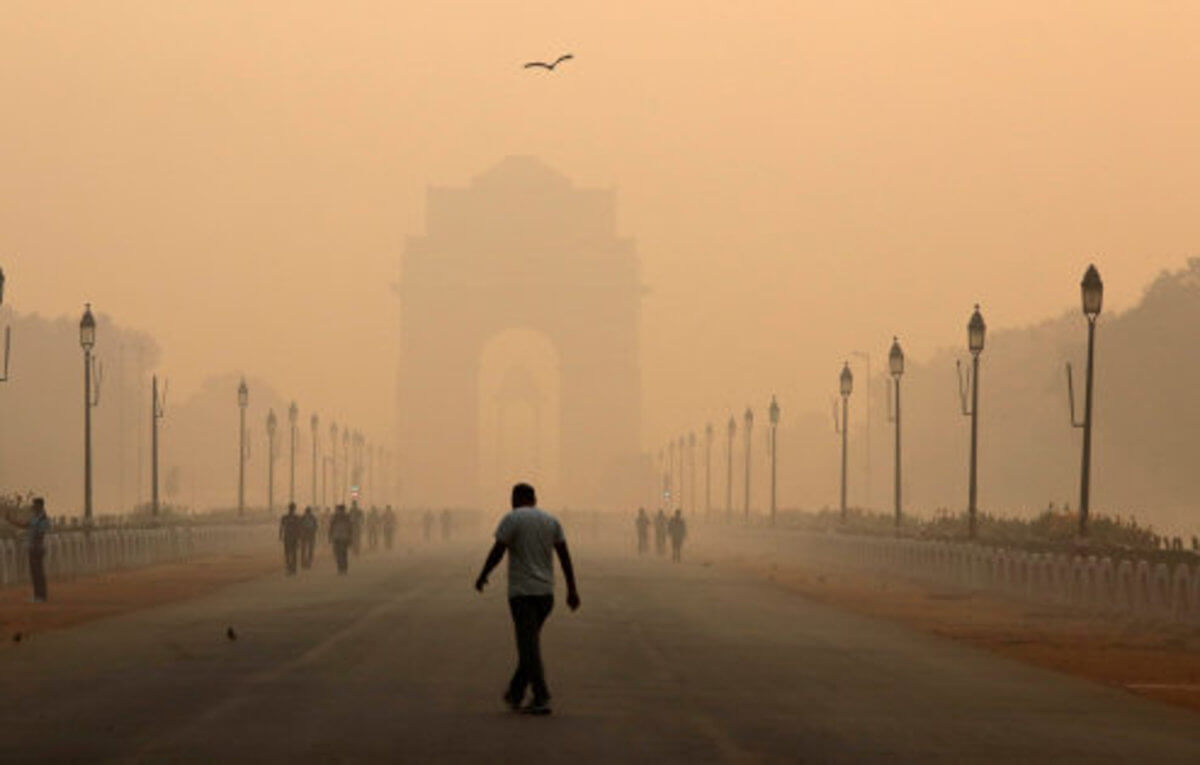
{"x":389,"y":527}
{"x":642,"y":524}
{"x":447,"y":524}
{"x":374,"y":526}
{"x":427,"y":525}
{"x":308,"y":539}
{"x":341,"y":534}
{"x":660,"y":532}
{"x":290,"y":531}
{"x":37,"y":527}
{"x":677,"y":530}
{"x":530,"y":537}
{"x":357,"y":521}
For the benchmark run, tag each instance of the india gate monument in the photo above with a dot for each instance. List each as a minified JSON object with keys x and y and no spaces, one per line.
{"x":520,"y":259}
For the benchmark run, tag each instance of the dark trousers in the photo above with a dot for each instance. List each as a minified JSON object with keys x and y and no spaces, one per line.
{"x":306,"y":551}
{"x":37,"y":572}
{"x":529,"y":613}
{"x":341,"y":551}
{"x":290,"y":547}
{"x":676,"y":549}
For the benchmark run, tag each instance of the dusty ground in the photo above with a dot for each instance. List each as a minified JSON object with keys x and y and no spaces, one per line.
{"x":1159,"y":662}
{"x":89,"y":598}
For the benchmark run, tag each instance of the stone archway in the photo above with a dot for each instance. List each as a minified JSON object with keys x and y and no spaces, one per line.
{"x":521,"y":246}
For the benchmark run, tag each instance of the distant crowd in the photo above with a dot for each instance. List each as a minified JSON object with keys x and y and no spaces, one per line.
{"x":673,"y":528}
{"x":349,"y":531}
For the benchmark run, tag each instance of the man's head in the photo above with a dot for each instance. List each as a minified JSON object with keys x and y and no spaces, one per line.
{"x":291,"y":508}
{"x":523,"y":495}
{"x":341,"y":509}
{"x":39,"y":505}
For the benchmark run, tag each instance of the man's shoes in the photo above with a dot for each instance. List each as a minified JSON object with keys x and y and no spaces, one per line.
{"x":513,"y":702}
{"x":536,"y":707}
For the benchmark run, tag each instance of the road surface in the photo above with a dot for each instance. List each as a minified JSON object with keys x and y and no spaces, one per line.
{"x":402,"y":661}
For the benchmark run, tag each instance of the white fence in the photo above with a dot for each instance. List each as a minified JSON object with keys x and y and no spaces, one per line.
{"x":1129,"y":588}
{"x":75,"y":553}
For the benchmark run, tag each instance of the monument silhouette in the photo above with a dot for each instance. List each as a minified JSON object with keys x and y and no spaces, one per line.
{"x":520,"y":248}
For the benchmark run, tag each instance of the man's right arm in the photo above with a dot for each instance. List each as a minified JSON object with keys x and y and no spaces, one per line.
{"x":495,"y":555}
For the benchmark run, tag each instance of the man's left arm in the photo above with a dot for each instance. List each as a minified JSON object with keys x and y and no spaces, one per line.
{"x":493,"y":559}
{"x":564,"y":559}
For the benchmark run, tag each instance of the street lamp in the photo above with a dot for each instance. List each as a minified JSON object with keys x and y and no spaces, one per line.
{"x":729,"y":469}
{"x":748,"y":418}
{"x":845,"y":387}
{"x":333,"y":440}
{"x":293,"y":416}
{"x":896,"y":367}
{"x":158,"y":410}
{"x":314,"y":422}
{"x":346,"y":461}
{"x":243,"y":398}
{"x":692,"y":469}
{"x":708,"y":439}
{"x":272,"y":428}
{"x":976,"y":333}
{"x":91,"y":398}
{"x":773,"y":416}
{"x":7,"y":331}
{"x":1092,"y":292}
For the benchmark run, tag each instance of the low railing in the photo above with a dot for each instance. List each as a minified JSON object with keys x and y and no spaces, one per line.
{"x":78,"y":553}
{"x":1124,"y":587}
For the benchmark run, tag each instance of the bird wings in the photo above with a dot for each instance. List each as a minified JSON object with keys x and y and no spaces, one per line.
{"x":549,"y":67}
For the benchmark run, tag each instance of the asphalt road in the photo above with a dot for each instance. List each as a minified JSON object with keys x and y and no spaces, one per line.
{"x":402,"y":661}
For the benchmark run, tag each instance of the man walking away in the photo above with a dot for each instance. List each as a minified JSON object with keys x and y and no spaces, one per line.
{"x":660,"y":533}
{"x":36,"y":528}
{"x":677,"y":529}
{"x":530,"y":537}
{"x":341,"y":533}
{"x":290,"y":531}
{"x":389,"y":527}
{"x":308,"y":537}
{"x":642,"y":524}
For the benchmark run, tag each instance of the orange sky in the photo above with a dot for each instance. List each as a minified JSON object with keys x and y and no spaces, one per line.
{"x":802,"y":179}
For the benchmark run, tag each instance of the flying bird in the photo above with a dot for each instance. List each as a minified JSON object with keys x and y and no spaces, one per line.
{"x":229,"y":633}
{"x":549,"y":67}
{"x":17,"y":637}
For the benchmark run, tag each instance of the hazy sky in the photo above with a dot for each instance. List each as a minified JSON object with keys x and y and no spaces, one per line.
{"x":802,"y":179}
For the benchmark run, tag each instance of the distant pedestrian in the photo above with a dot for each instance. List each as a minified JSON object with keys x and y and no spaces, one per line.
{"x":356,"y":523}
{"x":447,"y":524}
{"x":36,"y":529}
{"x":660,"y":532}
{"x":290,"y":531}
{"x":308,"y":537}
{"x":530,"y":537}
{"x":427,"y":525}
{"x":374,"y":527}
{"x":642,"y":524}
{"x":389,"y":527}
{"x":677,"y":530}
{"x":341,"y":535}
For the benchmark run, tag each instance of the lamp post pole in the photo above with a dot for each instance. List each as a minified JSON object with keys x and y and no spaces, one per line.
{"x":773,"y":416}
{"x":708,"y":439}
{"x":314,"y":421}
{"x":87,"y":340}
{"x":1092,"y":289}
{"x":896,"y":366}
{"x":243,"y":400}
{"x":158,"y":409}
{"x":732,"y":431}
{"x":976,"y":334}
{"x":272,"y":425}
{"x":293,"y":416}
{"x":846,"y":387}
{"x":748,"y":418}
{"x":333,"y":476}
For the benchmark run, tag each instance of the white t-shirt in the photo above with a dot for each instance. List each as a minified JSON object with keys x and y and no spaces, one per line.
{"x":530,"y":535}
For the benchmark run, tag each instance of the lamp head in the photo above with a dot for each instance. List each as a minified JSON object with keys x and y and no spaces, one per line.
{"x":896,"y":358}
{"x":243,"y":394}
{"x":1092,"y":289}
{"x":272,"y":422}
{"x":748,"y":417}
{"x":773,"y":411}
{"x":846,"y":380}
{"x":87,"y":328}
{"x":976,"y":332}
{"x":293,"y":413}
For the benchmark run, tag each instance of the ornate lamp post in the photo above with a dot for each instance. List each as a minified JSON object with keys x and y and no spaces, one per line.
{"x":158,"y":410}
{"x":7,"y":332}
{"x":845,"y":387}
{"x":896,"y":367}
{"x":243,"y":398}
{"x":773,"y":417}
{"x":272,"y":431}
{"x":293,"y":416}
{"x":346,"y":462}
{"x":976,"y":334}
{"x":692,"y":469}
{"x":87,"y":341}
{"x":732,"y":431}
{"x":1092,"y":291}
{"x":314,"y":421}
{"x":708,"y":439}
{"x":333,"y":441}
{"x":748,"y":419}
